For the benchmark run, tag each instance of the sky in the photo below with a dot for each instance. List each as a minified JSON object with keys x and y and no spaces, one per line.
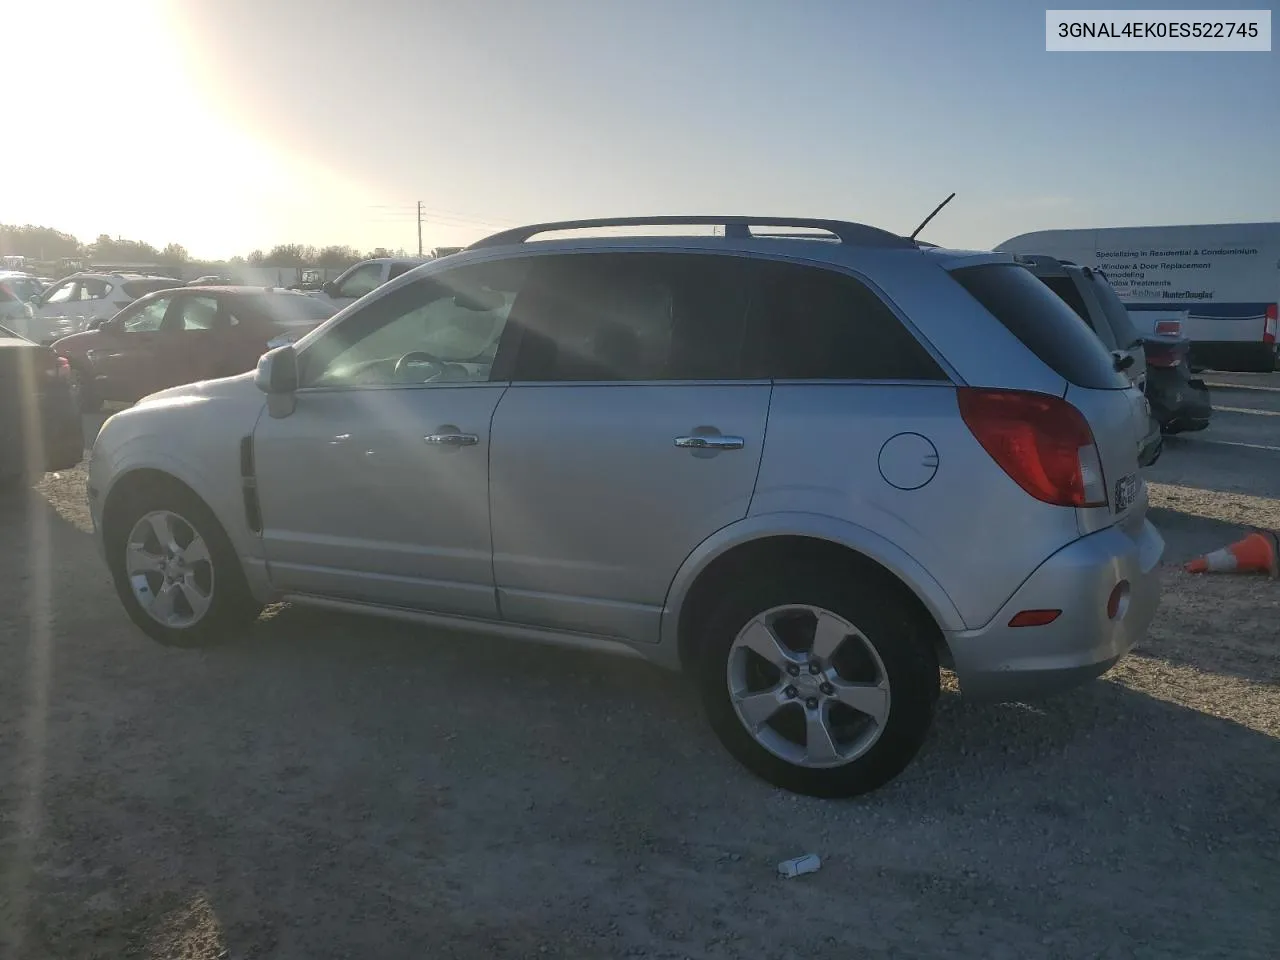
{"x":229,"y":125}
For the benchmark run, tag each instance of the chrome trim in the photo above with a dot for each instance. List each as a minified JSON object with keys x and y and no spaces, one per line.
{"x":711,"y":443}
{"x":452,"y":439}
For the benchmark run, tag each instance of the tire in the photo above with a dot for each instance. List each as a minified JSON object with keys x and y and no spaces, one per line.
{"x":888,"y":648}
{"x":82,"y":389}
{"x":211,"y":602}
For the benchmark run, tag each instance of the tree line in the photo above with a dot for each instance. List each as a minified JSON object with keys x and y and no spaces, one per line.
{"x":47,"y":244}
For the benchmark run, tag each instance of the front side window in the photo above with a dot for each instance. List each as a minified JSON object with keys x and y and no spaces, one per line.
{"x":359,"y":281}
{"x":633,"y":316}
{"x":443,"y":329}
{"x":146,"y":318}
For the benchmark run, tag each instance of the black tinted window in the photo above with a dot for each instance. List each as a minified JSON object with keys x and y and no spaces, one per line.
{"x":1066,"y":288}
{"x":1117,"y":316}
{"x":813,"y":324}
{"x":633,"y":316}
{"x":1043,"y":322}
{"x":398,"y":269}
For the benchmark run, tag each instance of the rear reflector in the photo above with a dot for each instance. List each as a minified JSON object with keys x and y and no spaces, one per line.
{"x":1168,"y":328}
{"x":1269,"y":328}
{"x":1034,"y":618}
{"x":1042,"y":442}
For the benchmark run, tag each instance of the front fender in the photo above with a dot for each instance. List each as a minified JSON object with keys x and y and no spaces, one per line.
{"x":816,"y":526}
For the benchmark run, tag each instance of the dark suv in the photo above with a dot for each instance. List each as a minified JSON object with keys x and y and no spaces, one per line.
{"x":1087,"y":292}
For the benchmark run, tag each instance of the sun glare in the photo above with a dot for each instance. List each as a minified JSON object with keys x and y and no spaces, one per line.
{"x":126,"y":118}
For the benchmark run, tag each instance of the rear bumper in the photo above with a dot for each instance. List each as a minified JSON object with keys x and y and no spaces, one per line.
{"x":1177,"y":402}
{"x":999,"y":662}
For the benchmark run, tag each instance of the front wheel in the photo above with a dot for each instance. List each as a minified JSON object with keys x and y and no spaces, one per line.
{"x":817,"y":681}
{"x":174,"y":568}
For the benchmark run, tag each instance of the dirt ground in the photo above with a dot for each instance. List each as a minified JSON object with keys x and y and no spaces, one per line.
{"x":331,"y":787}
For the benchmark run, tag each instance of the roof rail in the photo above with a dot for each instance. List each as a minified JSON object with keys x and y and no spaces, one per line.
{"x":736,"y":228}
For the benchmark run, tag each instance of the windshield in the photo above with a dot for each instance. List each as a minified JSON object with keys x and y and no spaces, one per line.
{"x":1127,"y":335}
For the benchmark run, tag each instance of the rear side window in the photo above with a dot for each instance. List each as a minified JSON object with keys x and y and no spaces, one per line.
{"x":1127,"y":335}
{"x":1043,"y":322}
{"x":140,"y":288}
{"x":632,"y":316}
{"x":813,"y":324}
{"x":397,"y":269}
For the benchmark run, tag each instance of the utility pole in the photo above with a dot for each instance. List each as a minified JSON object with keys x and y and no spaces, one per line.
{"x":419,"y":228}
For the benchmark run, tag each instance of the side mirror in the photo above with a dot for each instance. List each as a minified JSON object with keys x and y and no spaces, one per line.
{"x":277,"y":377}
{"x":329,"y":288}
{"x":278,"y":371}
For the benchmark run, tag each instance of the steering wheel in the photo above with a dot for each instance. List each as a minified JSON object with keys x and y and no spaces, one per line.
{"x":420,"y":356}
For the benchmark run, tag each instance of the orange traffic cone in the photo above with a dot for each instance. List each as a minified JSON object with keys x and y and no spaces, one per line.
{"x":1256,"y":553}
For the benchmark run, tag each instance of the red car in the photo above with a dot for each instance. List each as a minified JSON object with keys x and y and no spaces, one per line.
{"x":182,"y":335}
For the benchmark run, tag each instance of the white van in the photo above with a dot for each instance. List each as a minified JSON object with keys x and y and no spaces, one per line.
{"x":1225,"y":276}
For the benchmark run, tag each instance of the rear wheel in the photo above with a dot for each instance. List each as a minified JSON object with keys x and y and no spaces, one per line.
{"x":174,"y":568}
{"x":817,"y":682}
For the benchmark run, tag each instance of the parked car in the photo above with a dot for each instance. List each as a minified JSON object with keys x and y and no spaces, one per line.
{"x":1088,"y":293}
{"x":74,"y":303}
{"x":1180,"y":402}
{"x":808,"y":470}
{"x":366,"y":276}
{"x":14,"y":309}
{"x":184,"y":334}
{"x":211,"y":280}
{"x":39,"y":425}
{"x":22,"y":286}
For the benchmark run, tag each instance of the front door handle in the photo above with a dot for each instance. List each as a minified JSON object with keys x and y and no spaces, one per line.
{"x":713,"y":442}
{"x":452,"y":439}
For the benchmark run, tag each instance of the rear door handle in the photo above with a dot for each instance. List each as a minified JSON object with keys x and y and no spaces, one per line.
{"x":712,"y":442}
{"x":452,"y":439}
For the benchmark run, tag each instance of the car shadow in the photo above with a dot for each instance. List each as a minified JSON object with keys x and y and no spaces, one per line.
{"x":326,"y":783}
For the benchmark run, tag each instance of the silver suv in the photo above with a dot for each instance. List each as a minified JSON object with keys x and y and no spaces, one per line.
{"x":809,"y":469}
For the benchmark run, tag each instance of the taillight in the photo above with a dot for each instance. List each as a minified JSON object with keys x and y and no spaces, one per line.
{"x":1042,"y":442}
{"x":1269,"y":327}
{"x":1162,"y":355}
{"x":61,"y":369}
{"x":1168,"y":328}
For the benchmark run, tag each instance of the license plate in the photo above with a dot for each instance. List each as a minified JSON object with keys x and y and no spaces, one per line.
{"x":1126,"y":492}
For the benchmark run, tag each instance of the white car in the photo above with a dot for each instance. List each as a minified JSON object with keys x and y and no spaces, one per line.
{"x":72,"y":304}
{"x":365,"y":277}
{"x":14,"y":293}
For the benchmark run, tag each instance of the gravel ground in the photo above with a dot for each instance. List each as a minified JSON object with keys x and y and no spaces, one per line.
{"x":331,"y":787}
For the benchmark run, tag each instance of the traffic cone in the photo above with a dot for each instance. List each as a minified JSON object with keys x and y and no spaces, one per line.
{"x":1256,"y":553}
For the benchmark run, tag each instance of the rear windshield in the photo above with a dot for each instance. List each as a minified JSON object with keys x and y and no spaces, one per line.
{"x":1127,"y":334}
{"x":293,"y":308}
{"x":1043,"y":322}
{"x":140,"y":288}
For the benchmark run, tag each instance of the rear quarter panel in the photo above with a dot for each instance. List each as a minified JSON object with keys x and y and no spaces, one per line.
{"x":970,"y":526}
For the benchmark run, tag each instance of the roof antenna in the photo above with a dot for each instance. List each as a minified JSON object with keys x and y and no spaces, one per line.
{"x":926,"y":220}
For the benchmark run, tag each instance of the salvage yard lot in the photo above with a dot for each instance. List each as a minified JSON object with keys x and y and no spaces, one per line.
{"x":324,"y":786}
